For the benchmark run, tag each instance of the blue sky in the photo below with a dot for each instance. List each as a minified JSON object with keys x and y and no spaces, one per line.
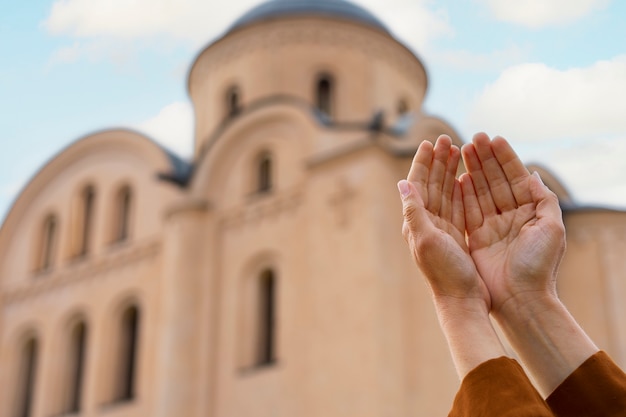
{"x":550,"y":75}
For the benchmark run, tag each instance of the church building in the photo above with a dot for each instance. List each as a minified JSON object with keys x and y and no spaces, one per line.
{"x":267,"y":276}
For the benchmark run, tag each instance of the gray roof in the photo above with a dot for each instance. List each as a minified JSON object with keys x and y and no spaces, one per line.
{"x":333,"y":8}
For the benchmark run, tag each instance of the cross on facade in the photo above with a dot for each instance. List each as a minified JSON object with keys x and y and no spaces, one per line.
{"x":341,"y":202}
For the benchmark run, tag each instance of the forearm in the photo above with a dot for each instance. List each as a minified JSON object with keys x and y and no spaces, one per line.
{"x":471,"y":337}
{"x":546,"y":337}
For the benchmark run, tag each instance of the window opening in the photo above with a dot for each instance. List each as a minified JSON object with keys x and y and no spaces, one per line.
{"x":48,"y":240}
{"x":264,"y":173}
{"x":124,"y":201}
{"x":324,"y":94}
{"x":26,"y":382}
{"x":233,"y":101}
{"x":88,"y":199}
{"x":267,"y":308}
{"x":403,"y":107}
{"x":127,"y":360}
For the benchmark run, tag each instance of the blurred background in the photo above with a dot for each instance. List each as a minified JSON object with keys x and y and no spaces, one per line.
{"x":242,"y":256}
{"x":548,"y":75}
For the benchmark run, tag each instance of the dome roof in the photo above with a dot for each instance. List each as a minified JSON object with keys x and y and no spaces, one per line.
{"x":341,"y":9}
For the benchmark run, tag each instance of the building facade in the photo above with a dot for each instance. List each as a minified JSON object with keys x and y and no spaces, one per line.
{"x":267,"y":276}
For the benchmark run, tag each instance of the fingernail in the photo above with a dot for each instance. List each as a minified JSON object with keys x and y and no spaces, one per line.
{"x":403,"y":187}
{"x":536,"y":174}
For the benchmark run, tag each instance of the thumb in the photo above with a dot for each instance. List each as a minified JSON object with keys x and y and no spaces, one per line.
{"x":413,"y":208}
{"x":546,"y":202}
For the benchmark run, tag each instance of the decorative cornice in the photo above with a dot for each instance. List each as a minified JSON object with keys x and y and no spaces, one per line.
{"x":371,"y":43}
{"x":82,"y":270}
{"x":186,"y":206}
{"x":263,"y":207}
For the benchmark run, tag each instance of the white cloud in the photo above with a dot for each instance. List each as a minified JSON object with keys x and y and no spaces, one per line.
{"x":199,"y":21}
{"x":466,"y":60}
{"x":414,"y":22}
{"x":538,"y":13}
{"x":173,"y":127}
{"x":593,"y":169}
{"x":121,"y":55}
{"x":66,"y":54}
{"x":535,"y":102}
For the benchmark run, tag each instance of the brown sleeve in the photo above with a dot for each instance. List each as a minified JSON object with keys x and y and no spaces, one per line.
{"x":597,"y":388}
{"x":498,"y":387}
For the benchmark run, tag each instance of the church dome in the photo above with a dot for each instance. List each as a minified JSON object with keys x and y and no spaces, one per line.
{"x":275,"y":9}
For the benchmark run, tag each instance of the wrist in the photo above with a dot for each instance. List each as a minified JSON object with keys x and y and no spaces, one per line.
{"x":468,"y":329}
{"x":461,"y":309}
{"x":526,"y":304}
{"x":545,"y":336}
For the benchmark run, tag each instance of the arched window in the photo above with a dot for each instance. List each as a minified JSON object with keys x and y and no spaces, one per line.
{"x":48,"y":240}
{"x":264,"y":173}
{"x":84,"y":220}
{"x":126,"y":360}
{"x":75,"y":369}
{"x":324,"y":91}
{"x":26,"y":379}
{"x":402,"y":107}
{"x":233,"y":101}
{"x":258,"y":320}
{"x":266,"y":343}
{"x":123,"y":206}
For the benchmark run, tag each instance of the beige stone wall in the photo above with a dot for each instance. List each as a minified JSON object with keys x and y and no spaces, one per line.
{"x":593,"y":277}
{"x":93,"y":288}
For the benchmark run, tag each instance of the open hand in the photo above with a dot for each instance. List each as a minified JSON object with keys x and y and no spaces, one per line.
{"x":434,"y":223}
{"x":515,"y":231}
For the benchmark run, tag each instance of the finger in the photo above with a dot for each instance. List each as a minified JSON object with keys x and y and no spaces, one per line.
{"x":458,"y":214}
{"x":437,"y":173}
{"x":498,"y":183}
{"x":547,"y":203}
{"x":448,"y":183}
{"x":413,"y":209}
{"x":420,"y":168}
{"x":480,"y":185}
{"x":471,"y":207}
{"x":515,"y":171}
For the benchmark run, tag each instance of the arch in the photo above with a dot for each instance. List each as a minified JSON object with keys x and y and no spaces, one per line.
{"x":258,"y":314}
{"x":26,"y":377}
{"x":74,"y":369}
{"x":122,"y":213}
{"x":48,"y":237}
{"x":126,"y":353}
{"x":325,"y":94}
{"x":116,"y":140}
{"x":265,"y":345}
{"x":247,"y":135}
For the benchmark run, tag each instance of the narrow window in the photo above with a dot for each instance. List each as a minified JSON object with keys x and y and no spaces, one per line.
{"x":26,"y":379}
{"x":127,"y":355}
{"x":265,"y":352}
{"x":123,"y":205}
{"x":264,"y":173}
{"x":324,"y":94}
{"x":402,"y":107}
{"x":48,"y":243}
{"x":233,"y":101}
{"x":76,"y":367}
{"x":87,"y":200}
